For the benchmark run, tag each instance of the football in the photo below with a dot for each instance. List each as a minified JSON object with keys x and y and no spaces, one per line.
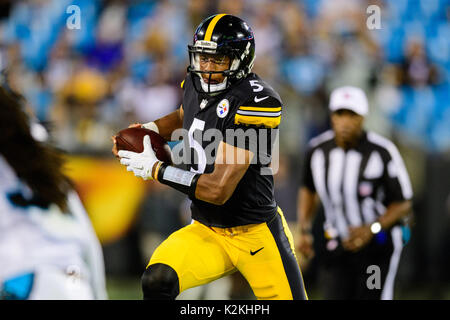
{"x":131,"y":139}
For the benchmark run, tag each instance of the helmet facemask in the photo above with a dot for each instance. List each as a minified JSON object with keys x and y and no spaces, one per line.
{"x":206,"y":51}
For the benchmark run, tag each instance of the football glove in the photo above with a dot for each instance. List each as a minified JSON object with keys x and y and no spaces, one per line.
{"x":140,"y":163}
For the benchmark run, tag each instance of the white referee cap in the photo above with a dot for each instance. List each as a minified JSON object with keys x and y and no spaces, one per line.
{"x":350,"y":98}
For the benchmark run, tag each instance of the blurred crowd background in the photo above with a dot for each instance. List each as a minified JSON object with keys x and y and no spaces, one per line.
{"x":126,"y":60}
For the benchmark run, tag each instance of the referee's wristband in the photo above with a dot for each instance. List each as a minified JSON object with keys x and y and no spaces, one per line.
{"x":181,"y":180}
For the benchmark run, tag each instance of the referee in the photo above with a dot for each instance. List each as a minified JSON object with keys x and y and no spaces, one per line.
{"x":362,"y":183}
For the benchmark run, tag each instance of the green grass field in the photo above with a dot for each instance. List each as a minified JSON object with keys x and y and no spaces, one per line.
{"x":130,"y":289}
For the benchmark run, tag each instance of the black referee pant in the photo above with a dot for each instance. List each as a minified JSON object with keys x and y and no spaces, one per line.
{"x":345,"y":275}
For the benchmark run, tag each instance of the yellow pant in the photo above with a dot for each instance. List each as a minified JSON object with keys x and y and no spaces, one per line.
{"x":263,"y":253}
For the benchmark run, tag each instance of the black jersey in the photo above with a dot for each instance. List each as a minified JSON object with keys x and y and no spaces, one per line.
{"x":249,"y":109}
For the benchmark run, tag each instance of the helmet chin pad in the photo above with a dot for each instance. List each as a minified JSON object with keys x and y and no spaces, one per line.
{"x":211,"y":88}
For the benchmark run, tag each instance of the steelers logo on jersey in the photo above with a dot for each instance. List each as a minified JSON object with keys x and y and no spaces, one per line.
{"x":222,"y":108}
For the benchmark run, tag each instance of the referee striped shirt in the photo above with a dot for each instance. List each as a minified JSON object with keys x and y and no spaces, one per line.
{"x":356,"y":185}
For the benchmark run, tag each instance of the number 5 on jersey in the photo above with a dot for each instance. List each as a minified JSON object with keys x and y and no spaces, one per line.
{"x":197,"y":125}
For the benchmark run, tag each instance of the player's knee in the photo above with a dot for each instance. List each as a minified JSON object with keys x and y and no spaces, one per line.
{"x":160,"y":282}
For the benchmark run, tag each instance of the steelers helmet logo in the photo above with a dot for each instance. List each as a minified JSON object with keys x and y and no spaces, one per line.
{"x":222,"y":108}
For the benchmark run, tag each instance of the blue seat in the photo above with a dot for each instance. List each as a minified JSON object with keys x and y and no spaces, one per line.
{"x":442,"y":94}
{"x":136,"y":15}
{"x":431,"y":9}
{"x":439,"y":134}
{"x":140,"y":68}
{"x":311,"y":7}
{"x":397,"y":9}
{"x":399,"y":117}
{"x":305,"y":73}
{"x":415,"y":113}
{"x":394,"y":47}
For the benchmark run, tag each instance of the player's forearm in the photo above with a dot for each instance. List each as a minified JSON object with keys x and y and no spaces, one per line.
{"x":306,"y":208}
{"x":218,"y":186}
{"x":167,"y":124}
{"x":212,"y":191}
{"x":215,"y":187}
{"x":394,"y":212}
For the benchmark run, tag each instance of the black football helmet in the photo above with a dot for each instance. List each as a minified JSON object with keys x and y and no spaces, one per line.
{"x":222,"y":35}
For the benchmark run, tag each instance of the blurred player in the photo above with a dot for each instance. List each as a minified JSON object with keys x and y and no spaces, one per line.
{"x":48,"y":248}
{"x":237,"y":225}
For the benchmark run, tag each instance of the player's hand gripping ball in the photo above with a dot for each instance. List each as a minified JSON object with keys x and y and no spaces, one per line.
{"x":139,"y":149}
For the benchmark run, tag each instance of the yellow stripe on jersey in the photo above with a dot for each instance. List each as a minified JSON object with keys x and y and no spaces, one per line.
{"x":269,"y":122}
{"x":211,"y":26}
{"x":263,"y":109}
{"x":182,"y":84}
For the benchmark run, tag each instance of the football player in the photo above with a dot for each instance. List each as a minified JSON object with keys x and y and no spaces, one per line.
{"x":237,"y":225}
{"x":48,"y":247}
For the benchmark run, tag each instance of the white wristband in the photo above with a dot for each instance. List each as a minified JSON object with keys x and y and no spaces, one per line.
{"x":151,"y":126}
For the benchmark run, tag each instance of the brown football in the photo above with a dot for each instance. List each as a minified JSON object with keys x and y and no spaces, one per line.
{"x":132,"y":139}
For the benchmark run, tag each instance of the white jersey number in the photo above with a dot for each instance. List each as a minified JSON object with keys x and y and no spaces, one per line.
{"x":197,"y":125}
{"x":257,"y":87}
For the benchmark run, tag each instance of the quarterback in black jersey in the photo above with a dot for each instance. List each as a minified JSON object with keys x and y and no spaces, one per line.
{"x":229,"y":118}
